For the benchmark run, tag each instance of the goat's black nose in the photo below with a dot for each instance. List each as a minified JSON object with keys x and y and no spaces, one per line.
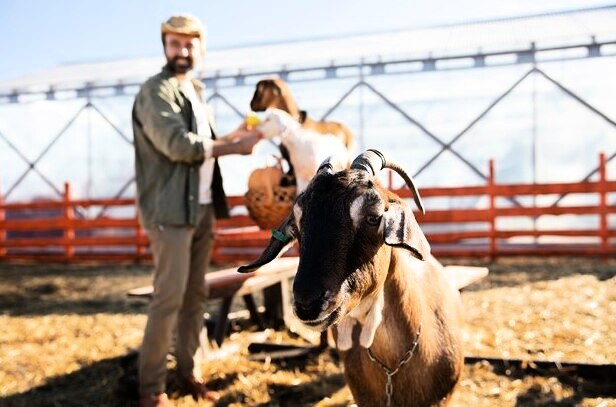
{"x":308,"y":305}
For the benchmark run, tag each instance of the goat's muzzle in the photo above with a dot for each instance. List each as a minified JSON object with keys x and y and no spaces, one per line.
{"x":319,"y":313}
{"x":308,"y":308}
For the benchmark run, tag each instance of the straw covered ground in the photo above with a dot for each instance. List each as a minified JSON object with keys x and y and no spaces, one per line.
{"x":69,"y":333}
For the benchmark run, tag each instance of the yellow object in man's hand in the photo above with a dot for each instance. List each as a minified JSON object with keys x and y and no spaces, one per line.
{"x":252,"y":120}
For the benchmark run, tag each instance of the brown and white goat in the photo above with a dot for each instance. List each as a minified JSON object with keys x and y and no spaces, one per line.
{"x":365,"y":266}
{"x":307,"y":148}
{"x":276,"y":93}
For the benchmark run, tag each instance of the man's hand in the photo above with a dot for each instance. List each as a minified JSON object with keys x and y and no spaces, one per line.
{"x":241,"y":131}
{"x":245,"y":142}
{"x":239,"y":141}
{"x":238,"y":133}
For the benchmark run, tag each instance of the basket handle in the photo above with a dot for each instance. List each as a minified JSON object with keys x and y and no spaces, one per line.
{"x":277,"y":163}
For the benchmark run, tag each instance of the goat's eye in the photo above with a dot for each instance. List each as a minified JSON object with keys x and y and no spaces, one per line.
{"x":373,"y":220}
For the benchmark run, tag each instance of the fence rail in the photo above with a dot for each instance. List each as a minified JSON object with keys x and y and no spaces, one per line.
{"x":59,"y":231}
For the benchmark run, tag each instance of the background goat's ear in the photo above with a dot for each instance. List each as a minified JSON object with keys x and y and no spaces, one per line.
{"x":275,"y":247}
{"x":275,"y":89}
{"x":400,"y":229}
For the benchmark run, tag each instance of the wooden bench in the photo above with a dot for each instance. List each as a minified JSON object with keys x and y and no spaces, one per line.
{"x":228,"y":284}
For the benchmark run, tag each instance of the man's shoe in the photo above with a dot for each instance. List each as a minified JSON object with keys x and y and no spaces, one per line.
{"x":198,"y":390}
{"x":155,"y":400}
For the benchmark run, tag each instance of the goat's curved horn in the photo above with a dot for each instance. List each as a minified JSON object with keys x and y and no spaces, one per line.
{"x":282,"y":239}
{"x":333,"y":164}
{"x":326,"y":166}
{"x":392,"y":165}
{"x":373,"y":161}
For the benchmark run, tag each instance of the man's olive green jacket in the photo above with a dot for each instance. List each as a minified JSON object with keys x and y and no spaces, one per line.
{"x":168,"y":154}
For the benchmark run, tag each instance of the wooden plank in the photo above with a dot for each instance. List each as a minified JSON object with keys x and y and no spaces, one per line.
{"x":553,"y":188}
{"x":222,"y":235}
{"x":223,"y":283}
{"x":54,"y":204}
{"x":102,"y":241}
{"x":106,"y":257}
{"x":455,"y":216}
{"x":453,"y":237}
{"x":235,"y":221}
{"x":228,"y":283}
{"x":60,"y":224}
{"x":462,"y":252}
{"x":551,"y":210}
{"x":556,"y":251}
{"x":511,"y":190}
{"x":246,"y":242}
{"x":237,"y":200}
{"x":503,"y":234}
{"x":227,"y":257}
{"x":474,"y":190}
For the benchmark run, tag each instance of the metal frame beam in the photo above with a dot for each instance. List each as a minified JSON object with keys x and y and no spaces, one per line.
{"x":480,"y":59}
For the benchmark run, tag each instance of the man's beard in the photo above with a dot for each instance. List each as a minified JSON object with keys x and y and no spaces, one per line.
{"x":180,"y":65}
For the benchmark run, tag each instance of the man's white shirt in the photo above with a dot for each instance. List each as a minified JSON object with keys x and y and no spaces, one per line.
{"x":203,"y":129}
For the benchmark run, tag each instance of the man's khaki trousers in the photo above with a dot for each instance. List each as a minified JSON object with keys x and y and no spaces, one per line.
{"x":181,"y":258}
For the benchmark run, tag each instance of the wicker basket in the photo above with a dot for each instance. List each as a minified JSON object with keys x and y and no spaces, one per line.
{"x":269,"y":215}
{"x":267,"y":202}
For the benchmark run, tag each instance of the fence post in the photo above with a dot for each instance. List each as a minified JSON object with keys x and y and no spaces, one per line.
{"x":603,"y":230}
{"x":2,"y":230}
{"x":69,"y":216}
{"x":492,"y":211}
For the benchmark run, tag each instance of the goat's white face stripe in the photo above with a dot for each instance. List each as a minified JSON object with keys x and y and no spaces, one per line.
{"x":357,"y":210}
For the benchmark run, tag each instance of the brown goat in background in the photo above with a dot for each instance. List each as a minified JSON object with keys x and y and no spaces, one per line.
{"x":276,"y":93}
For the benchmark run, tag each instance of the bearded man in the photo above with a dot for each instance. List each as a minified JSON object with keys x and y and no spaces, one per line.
{"x":179,"y":194}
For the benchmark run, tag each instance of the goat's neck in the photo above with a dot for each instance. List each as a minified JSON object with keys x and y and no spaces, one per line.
{"x":289,"y":105}
{"x":391,"y":311}
{"x":290,"y":135}
{"x":403,"y":304}
{"x":410,"y":302}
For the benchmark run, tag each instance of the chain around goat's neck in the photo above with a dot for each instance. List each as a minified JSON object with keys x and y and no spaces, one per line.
{"x":389,"y":387}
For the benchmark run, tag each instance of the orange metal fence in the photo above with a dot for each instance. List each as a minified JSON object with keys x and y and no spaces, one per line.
{"x":59,"y":230}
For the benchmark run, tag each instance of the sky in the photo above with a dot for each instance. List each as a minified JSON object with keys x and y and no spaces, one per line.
{"x":36,"y":35}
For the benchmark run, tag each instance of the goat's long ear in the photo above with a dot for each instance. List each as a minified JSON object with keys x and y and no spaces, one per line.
{"x":282,"y":239}
{"x":400,"y":229}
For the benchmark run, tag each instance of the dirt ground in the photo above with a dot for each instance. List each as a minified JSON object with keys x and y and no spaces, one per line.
{"x":69,"y":336}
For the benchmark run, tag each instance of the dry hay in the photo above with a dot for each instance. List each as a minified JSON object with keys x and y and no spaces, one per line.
{"x":66,"y":332}
{"x":561,"y":311}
